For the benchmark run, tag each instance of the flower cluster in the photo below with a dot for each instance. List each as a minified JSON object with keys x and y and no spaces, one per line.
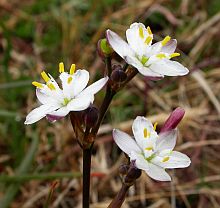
{"x":74,"y":95}
{"x":151,"y":60}
{"x":151,"y":152}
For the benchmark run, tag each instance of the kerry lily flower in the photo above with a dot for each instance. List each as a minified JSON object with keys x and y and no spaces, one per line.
{"x":74,"y":95}
{"x":151,"y":152}
{"x":151,"y":60}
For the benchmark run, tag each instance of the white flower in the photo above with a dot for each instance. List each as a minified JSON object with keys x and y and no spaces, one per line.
{"x":151,"y":152}
{"x":150,"y":60}
{"x":57,"y":102}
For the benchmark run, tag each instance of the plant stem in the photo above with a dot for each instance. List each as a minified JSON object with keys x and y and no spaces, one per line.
{"x":120,"y":197}
{"x":86,"y":176}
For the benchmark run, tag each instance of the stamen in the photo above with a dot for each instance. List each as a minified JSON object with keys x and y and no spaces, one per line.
{"x":45,"y":76}
{"x":174,"y":55}
{"x":61,"y":67}
{"x":165,"y":40}
{"x":51,"y":86}
{"x":141,"y":32}
{"x":37,"y":84}
{"x":148,"y":148}
{"x":149,"y":30}
{"x":146,"y":133}
{"x":144,"y":60}
{"x":155,"y":126}
{"x":161,"y":55}
{"x":69,"y":80}
{"x":72,"y":69}
{"x":165,"y":159}
{"x":148,"y":40}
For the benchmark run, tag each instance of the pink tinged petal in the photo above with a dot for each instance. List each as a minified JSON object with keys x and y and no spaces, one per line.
{"x":141,"y":68}
{"x":125,"y":142}
{"x":80,"y":103}
{"x":58,"y":114}
{"x":95,"y":87}
{"x":157,"y":173}
{"x":78,"y":83}
{"x":169,"y":68}
{"x":138,"y":126}
{"x":170,"y":47}
{"x":173,"y":120}
{"x":38,"y":113}
{"x":140,"y":162}
{"x":118,"y":44}
{"x":166,"y":140}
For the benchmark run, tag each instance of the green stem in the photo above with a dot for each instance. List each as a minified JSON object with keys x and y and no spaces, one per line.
{"x":42,"y":176}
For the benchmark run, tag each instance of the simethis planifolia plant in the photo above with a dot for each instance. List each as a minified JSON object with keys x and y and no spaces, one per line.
{"x":148,"y":149}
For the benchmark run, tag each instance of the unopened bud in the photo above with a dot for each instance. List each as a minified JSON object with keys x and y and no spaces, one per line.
{"x":118,"y":75}
{"x":104,"y":49}
{"x":123,"y":169}
{"x":91,"y":116}
{"x":173,"y":120}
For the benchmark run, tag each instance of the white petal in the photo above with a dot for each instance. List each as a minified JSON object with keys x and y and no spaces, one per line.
{"x":169,"y":68}
{"x":118,"y":44}
{"x":170,"y":47}
{"x":80,"y":103}
{"x":135,"y":41}
{"x":125,"y":142}
{"x":138,"y":126}
{"x":38,"y":113}
{"x":173,"y":160}
{"x":95,"y":87}
{"x":166,"y":140}
{"x":78,"y":83}
{"x":157,"y":173}
{"x":62,"y":112}
{"x":141,"y":68}
{"x":44,"y":98}
{"x":140,"y":162}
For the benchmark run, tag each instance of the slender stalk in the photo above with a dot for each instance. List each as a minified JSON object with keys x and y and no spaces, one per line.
{"x":86,"y":176}
{"x":120,"y":197}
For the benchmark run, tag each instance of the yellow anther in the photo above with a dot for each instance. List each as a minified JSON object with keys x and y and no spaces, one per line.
{"x":61,"y":67}
{"x":141,"y":32}
{"x":155,"y":126}
{"x":45,"y":76}
{"x":37,"y":84}
{"x":149,"y":30}
{"x":69,"y":80}
{"x":72,"y":69}
{"x":146,"y":133}
{"x":148,"y":40}
{"x":165,"y":40}
{"x":148,"y":148}
{"x":174,"y":55}
{"x":161,"y":55}
{"x":51,"y":86}
{"x":165,"y":159}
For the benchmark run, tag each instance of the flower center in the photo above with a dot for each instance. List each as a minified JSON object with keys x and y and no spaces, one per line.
{"x":151,"y":157}
{"x":65,"y":101}
{"x":144,"y":59}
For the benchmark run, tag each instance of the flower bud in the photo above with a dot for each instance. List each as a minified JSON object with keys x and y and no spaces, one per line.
{"x":118,"y":75}
{"x":173,"y":120}
{"x":91,"y":116}
{"x":123,"y":169}
{"x":104,"y":49}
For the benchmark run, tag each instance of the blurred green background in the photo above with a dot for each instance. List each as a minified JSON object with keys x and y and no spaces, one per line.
{"x":37,"y":35}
